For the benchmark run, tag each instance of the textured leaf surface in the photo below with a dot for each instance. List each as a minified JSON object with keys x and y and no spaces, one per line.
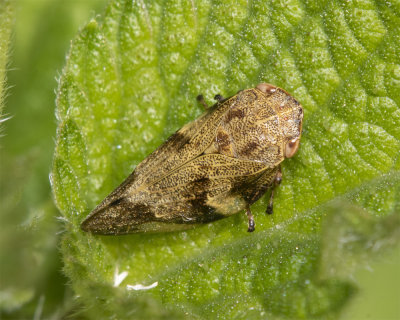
{"x":131,"y":80}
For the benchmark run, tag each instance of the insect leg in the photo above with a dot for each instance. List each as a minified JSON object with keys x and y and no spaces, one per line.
{"x":218,"y":98}
{"x":277,"y":181}
{"x":200,"y":99}
{"x":252,"y":224}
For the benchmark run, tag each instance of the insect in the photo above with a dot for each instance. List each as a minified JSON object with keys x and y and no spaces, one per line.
{"x":211,"y":168}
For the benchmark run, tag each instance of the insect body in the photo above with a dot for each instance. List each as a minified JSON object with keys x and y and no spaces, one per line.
{"x":211,"y":168}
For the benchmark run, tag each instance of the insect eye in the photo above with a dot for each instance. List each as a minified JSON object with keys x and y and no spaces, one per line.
{"x":291,"y":147}
{"x":266,"y":88}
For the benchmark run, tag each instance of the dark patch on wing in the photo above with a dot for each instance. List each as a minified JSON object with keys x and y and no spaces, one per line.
{"x":235,"y":113}
{"x":200,"y":189}
{"x":118,"y":217}
{"x":257,"y":193}
{"x":246,"y":188}
{"x":223,"y":140}
{"x":249,"y":148}
{"x":115,"y":202}
{"x":254,"y":188}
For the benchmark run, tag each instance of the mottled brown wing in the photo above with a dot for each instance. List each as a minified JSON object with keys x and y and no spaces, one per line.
{"x":184,"y":145}
{"x":204,"y":189}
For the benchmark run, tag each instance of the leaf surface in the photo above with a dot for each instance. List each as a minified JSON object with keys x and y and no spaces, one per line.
{"x":131,"y":80}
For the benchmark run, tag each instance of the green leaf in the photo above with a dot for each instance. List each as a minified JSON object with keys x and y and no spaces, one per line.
{"x":131,"y":80}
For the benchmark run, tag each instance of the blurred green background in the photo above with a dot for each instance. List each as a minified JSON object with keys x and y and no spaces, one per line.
{"x":32,"y":285}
